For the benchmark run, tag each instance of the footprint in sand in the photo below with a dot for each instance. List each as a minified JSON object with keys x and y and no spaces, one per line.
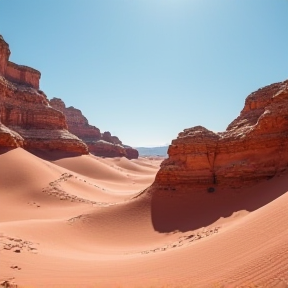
{"x":34,"y":204}
{"x":185,"y":240}
{"x":55,"y":189}
{"x":17,"y":245}
{"x":8,"y":283}
{"x":15,"y":267}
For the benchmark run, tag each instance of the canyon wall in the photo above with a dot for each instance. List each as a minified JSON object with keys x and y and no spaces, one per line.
{"x":26,"y":118}
{"x":77,"y":123}
{"x":99,"y":144}
{"x":16,"y":73}
{"x":9,"y":138}
{"x":253,"y":148}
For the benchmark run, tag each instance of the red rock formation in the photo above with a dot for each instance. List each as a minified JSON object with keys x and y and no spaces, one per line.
{"x":9,"y":138}
{"x":25,"y":110}
{"x":77,"y":123}
{"x":98,"y":144}
{"x":106,"y":149}
{"x":131,"y":153}
{"x":116,"y":140}
{"x":254,"y":147}
{"x":16,"y":73}
{"x":106,"y":136}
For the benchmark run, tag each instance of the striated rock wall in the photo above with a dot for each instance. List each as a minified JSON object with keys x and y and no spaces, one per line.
{"x":22,"y":74}
{"x":99,"y":144}
{"x":254,"y":147}
{"x":29,"y":120}
{"x":9,"y":138}
{"x":26,"y":112}
{"x":4,"y":56}
{"x":26,"y":118}
{"x":106,"y":149}
{"x":16,"y":73}
{"x":77,"y":123}
{"x":28,"y":108}
{"x":131,"y":153}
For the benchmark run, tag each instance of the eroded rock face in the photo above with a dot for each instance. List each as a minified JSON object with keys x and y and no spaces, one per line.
{"x":106,"y":149}
{"x":16,"y":73}
{"x":254,"y":147}
{"x":99,"y":144}
{"x":27,"y":120}
{"x":131,"y":153}
{"x":77,"y":123}
{"x":9,"y":138}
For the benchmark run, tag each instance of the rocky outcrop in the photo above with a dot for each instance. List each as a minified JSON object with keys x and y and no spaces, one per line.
{"x":77,"y":123}
{"x":9,"y":138}
{"x":131,"y":153}
{"x":27,"y":120}
{"x":254,"y":147}
{"x":99,"y":144}
{"x":106,"y":149}
{"x":16,"y":73}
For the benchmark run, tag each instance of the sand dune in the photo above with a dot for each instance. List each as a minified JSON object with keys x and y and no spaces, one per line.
{"x":82,"y":222}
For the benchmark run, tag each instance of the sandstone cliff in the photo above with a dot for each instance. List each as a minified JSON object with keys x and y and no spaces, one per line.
{"x":16,"y":73}
{"x":27,"y":120}
{"x":254,"y":147}
{"x":9,"y":138}
{"x":99,"y":144}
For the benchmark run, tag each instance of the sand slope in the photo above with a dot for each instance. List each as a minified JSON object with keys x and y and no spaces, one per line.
{"x":82,"y":222}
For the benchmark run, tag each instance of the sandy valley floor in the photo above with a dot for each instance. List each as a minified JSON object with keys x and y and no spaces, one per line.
{"x":87,"y":221}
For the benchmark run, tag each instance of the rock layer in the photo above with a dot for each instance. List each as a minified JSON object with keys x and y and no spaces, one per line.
{"x":131,"y":153}
{"x":254,"y":147}
{"x":77,"y":123}
{"x":16,"y":73}
{"x":27,"y":120}
{"x":9,"y":138}
{"x":99,"y":144}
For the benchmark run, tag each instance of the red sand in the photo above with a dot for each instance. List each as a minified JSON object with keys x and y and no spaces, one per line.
{"x":82,"y":222}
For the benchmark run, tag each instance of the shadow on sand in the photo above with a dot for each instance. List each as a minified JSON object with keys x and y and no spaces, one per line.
{"x":190,"y":211}
{"x":53,"y":155}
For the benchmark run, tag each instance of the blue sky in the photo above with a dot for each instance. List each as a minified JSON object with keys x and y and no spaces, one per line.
{"x":147,"y":69}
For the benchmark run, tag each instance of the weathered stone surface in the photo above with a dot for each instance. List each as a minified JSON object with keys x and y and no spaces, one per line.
{"x":9,"y":138}
{"x":254,"y":147}
{"x":16,"y":73}
{"x":99,"y":144}
{"x":28,"y":120}
{"x":131,"y":153}
{"x":106,"y":149}
{"x":106,"y":136}
{"x":26,"y":116}
{"x":27,"y":107}
{"x":77,"y":123}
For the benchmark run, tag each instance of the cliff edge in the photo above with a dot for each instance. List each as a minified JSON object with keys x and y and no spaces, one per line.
{"x":26,"y":118}
{"x":253,"y":148}
{"x":99,"y":144}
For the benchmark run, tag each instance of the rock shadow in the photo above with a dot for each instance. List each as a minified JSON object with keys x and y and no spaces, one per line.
{"x":187,"y":210}
{"x":53,"y":155}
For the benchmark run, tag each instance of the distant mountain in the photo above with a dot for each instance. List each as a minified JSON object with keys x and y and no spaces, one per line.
{"x":153,"y":151}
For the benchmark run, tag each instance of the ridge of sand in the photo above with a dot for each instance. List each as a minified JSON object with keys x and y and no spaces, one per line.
{"x":83,"y":222}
